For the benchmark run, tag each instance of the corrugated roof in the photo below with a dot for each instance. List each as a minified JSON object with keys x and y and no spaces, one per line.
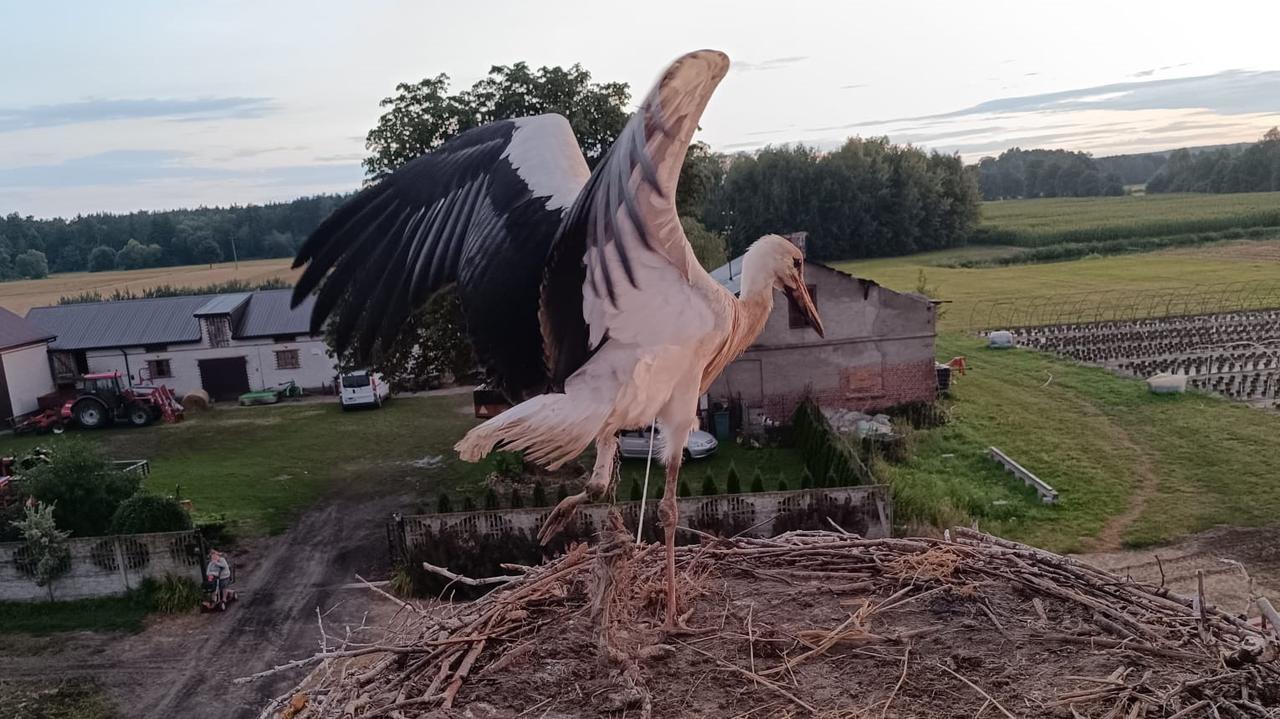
{"x":729,"y":275}
{"x":16,"y":332}
{"x":223,"y":304}
{"x":167,"y":320}
{"x":269,"y":314}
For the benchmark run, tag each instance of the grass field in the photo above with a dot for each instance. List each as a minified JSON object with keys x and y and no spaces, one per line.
{"x":964,"y":288}
{"x":21,"y":295}
{"x":1132,"y":467}
{"x":55,"y":699}
{"x":1046,"y":221}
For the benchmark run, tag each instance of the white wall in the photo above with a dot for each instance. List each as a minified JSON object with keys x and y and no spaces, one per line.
{"x":317,"y":369}
{"x":26,"y":371}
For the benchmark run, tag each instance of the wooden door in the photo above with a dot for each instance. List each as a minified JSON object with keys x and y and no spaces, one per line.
{"x":224,"y":378}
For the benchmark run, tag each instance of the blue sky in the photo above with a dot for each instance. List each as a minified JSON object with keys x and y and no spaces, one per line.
{"x":152,"y":105}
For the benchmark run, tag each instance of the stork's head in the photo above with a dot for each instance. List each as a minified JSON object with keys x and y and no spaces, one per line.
{"x":785,"y":264}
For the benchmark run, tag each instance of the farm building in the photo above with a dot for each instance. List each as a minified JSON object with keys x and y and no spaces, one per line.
{"x":878,"y":351}
{"x":24,"y":365}
{"x":225,"y":344}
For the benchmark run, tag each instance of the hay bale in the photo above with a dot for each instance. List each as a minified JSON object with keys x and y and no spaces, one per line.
{"x":1167,"y":383}
{"x":196,"y":400}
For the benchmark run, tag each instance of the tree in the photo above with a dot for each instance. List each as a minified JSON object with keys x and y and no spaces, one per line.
{"x":732,"y":484}
{"x":539,"y":494}
{"x":421,"y":116}
{"x":208,"y":252}
{"x":278,"y":244}
{"x":517,"y":499}
{"x":132,"y":256}
{"x":31,"y":264}
{"x":491,"y":500}
{"x":68,"y":259}
{"x":709,"y":485}
{"x":637,"y":493}
{"x":806,"y":479}
{"x":102,"y":259}
{"x":708,"y":246}
{"x":700,"y":175}
{"x":44,"y":549}
{"x":782,"y":484}
{"x":82,"y":485}
{"x":682,"y":489}
{"x":443,"y":505}
{"x":757,"y":481}
{"x":468,"y":504}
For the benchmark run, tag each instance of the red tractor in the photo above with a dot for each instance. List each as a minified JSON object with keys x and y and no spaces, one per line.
{"x":101,"y":400}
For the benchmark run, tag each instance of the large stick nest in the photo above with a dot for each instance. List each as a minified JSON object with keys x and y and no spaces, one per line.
{"x":807,"y":624}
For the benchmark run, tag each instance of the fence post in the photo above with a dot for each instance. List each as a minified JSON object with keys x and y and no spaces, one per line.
{"x":120,"y":562}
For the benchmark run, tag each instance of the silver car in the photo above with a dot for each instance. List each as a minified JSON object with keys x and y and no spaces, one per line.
{"x":634,"y":444}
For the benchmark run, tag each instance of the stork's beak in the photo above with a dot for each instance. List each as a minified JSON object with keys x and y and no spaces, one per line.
{"x":800,"y":295}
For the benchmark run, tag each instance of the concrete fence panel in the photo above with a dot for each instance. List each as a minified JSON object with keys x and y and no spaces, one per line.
{"x":102,"y":566}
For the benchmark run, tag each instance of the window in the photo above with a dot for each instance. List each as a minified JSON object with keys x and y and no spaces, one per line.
{"x":288,"y":359}
{"x":218,"y":329}
{"x":355,"y":380}
{"x":795,"y":318}
{"x":158,"y":368}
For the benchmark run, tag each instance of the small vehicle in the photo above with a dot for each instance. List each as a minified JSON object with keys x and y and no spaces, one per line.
{"x":286,"y":390}
{"x":634,"y":444}
{"x":362,"y":388}
{"x":100,"y":400}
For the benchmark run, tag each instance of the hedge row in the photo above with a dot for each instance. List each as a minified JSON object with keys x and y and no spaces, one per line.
{"x":825,"y":454}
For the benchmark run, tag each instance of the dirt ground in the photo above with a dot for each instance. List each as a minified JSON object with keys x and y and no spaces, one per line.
{"x":183,"y":666}
{"x":1236,"y":564}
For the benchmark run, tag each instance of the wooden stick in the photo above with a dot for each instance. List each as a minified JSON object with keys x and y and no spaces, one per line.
{"x":1268,"y":611}
{"x":906,"y":656}
{"x":482,"y":582}
{"x":978,"y":689}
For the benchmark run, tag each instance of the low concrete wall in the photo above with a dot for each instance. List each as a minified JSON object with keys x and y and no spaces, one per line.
{"x":758,"y":511}
{"x":103,"y":566}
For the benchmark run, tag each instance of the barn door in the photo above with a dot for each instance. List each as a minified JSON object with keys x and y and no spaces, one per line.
{"x":224,"y":378}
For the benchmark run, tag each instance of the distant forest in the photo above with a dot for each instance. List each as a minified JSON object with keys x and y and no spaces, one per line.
{"x":1242,"y":167}
{"x":33,"y":248}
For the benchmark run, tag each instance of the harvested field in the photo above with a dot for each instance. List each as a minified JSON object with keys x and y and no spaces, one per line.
{"x":807,"y":624}
{"x":21,"y":295}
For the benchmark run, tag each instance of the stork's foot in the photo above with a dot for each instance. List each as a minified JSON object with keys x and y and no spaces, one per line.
{"x":560,"y":516}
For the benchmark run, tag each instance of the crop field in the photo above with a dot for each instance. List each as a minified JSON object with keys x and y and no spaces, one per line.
{"x":21,"y":295}
{"x":970,"y":290}
{"x":1047,"y":221}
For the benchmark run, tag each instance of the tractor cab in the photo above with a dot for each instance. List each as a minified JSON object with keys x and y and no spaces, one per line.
{"x":103,"y":385}
{"x":102,"y":399}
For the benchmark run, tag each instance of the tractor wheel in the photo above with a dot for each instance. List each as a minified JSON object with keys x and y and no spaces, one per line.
{"x":139,"y":415}
{"x":91,"y":414}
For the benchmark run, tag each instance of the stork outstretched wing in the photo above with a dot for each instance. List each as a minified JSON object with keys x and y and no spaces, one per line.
{"x":622,"y":242}
{"x":482,"y":211}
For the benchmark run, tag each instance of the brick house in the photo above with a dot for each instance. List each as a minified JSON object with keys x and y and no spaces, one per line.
{"x":878,"y":352}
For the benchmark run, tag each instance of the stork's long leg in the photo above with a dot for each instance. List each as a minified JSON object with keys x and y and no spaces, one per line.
{"x":602,"y":476}
{"x":677,"y":420}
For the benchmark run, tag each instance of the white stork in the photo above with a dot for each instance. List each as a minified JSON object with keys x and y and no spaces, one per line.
{"x":581,"y":294}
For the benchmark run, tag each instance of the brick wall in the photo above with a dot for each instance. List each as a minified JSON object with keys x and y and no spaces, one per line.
{"x":103,"y":566}
{"x":865,"y":389}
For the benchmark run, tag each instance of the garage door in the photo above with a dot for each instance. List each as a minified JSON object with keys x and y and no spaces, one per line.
{"x":224,"y":378}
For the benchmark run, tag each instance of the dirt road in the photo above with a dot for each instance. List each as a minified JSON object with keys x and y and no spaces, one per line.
{"x":184,"y":666}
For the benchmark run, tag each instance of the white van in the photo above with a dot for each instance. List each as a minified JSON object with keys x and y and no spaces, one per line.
{"x":363,"y":388}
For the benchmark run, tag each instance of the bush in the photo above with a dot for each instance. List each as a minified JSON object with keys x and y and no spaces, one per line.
{"x":637,"y":493}
{"x":508,"y":465}
{"x":682,"y":489}
{"x":102,"y":259}
{"x":82,"y":485}
{"x":468,"y":504}
{"x":491,"y":500}
{"x":517,"y":499}
{"x":214,"y":531}
{"x":443,"y":506}
{"x":709,"y":485}
{"x":32,"y":265}
{"x":172,"y":595}
{"x":782,"y":485}
{"x":149,"y":513}
{"x":806,"y":479}
{"x":562,"y":493}
{"x":539,"y":495}
{"x":732,"y":484}
{"x":757,"y":481}
{"x":44,"y":555}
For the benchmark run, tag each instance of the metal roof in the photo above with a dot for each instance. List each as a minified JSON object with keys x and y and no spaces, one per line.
{"x":729,"y":275}
{"x":269,"y":314}
{"x":168,"y":320}
{"x":16,"y":332}
{"x":223,"y":304}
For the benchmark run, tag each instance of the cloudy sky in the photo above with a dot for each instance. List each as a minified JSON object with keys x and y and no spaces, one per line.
{"x":150,"y":105}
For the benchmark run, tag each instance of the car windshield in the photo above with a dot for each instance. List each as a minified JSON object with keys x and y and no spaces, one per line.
{"x":352,"y":381}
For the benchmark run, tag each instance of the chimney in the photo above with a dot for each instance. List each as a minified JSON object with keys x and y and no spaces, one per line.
{"x":798,"y":239}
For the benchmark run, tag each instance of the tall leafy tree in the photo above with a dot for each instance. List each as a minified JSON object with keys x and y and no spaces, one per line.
{"x":31,"y":264}
{"x":423,"y":115}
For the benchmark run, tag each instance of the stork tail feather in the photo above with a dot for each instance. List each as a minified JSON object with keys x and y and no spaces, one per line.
{"x":549,"y":429}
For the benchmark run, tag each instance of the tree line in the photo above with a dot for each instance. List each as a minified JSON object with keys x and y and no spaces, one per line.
{"x":1019,"y":173}
{"x":33,"y":248}
{"x":1254,"y":168}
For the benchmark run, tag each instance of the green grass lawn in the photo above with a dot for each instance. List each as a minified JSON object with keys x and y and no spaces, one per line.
{"x":1095,"y":437}
{"x":106,"y":614}
{"x":260,"y":466}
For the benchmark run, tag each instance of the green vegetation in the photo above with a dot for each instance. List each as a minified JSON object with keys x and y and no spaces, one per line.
{"x":774,"y":462}
{"x":168,"y":595}
{"x":1255,"y":168}
{"x":271,"y":283}
{"x":81,"y":485}
{"x":259,"y":466}
{"x":1049,"y":221}
{"x":143,"y":513}
{"x":1077,"y":250}
{"x":1181,"y":463}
